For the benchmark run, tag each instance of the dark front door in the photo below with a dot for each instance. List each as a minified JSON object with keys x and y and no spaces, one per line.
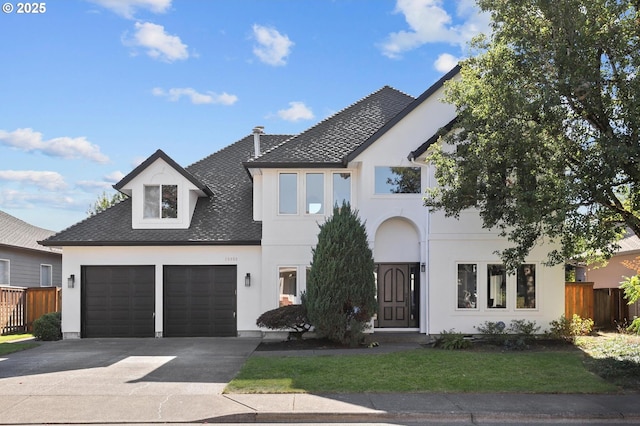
{"x":397,"y":295}
{"x":118,"y":301}
{"x":200,"y":301}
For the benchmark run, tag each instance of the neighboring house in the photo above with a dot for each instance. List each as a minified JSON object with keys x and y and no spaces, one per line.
{"x":204,"y":250}
{"x":23,"y":261}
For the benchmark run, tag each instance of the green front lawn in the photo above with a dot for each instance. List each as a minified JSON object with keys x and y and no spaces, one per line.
{"x":421,"y":370}
{"x":8,"y":344}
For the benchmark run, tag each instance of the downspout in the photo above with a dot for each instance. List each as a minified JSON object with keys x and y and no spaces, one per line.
{"x":424,"y":309}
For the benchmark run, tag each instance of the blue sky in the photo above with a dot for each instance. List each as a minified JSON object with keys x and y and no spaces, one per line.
{"x":90,"y":88}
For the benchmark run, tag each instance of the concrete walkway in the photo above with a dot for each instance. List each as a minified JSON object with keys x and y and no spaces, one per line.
{"x":180,"y":381}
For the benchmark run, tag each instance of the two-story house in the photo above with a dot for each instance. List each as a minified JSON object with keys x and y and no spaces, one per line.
{"x":204,"y":250}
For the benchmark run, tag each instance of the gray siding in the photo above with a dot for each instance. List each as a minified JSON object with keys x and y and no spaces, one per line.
{"x":24,"y":266}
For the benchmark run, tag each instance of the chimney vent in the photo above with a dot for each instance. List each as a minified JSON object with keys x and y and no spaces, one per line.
{"x":257,"y":131}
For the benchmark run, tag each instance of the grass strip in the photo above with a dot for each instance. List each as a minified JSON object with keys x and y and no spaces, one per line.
{"x":8,"y":347}
{"x":420,"y":370}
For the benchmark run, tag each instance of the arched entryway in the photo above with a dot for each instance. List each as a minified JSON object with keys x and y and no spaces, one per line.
{"x":397,"y":257}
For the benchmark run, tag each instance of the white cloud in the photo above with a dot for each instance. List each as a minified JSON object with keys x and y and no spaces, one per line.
{"x":51,"y":181}
{"x":105,"y":184}
{"x":195,"y":97}
{"x":13,"y":199}
{"x":446,"y":62}
{"x":65,"y":147}
{"x":429,"y":22}
{"x":127,"y":8}
{"x":273,"y":47}
{"x":114,"y":177}
{"x":296,"y":111}
{"x":159,"y":45}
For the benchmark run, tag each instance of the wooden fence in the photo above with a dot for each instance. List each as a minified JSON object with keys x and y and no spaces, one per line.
{"x":19,"y":307}
{"x":578,"y":299}
{"x":606,"y":306}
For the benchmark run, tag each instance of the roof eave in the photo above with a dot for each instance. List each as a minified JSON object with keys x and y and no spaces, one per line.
{"x":155,"y":243}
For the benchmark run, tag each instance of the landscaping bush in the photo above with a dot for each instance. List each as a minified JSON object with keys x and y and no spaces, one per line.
{"x":452,"y":340}
{"x":517,"y":335}
{"x":569,"y":329}
{"x":47,"y":327}
{"x":290,"y":317}
{"x":341,"y":289}
{"x":493,"y":332}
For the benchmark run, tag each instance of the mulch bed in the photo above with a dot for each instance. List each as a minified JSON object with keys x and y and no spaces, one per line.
{"x":478,"y":345}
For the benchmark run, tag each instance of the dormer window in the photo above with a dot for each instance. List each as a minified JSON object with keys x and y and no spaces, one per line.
{"x":160,"y":201}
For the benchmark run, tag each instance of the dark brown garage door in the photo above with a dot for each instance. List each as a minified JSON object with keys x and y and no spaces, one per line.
{"x":118,"y":301}
{"x":199,"y":301}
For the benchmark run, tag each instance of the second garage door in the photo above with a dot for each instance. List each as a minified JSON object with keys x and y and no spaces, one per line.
{"x":200,"y":300}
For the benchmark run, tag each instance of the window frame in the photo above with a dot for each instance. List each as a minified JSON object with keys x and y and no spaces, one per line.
{"x":295,"y":193}
{"x":519,"y":285}
{"x":44,"y":267}
{"x":8,"y":272}
{"x":459,"y":285}
{"x":335,"y":202}
{"x":395,"y":194}
{"x":292,"y":297}
{"x":322,"y":197}
{"x":160,"y":207}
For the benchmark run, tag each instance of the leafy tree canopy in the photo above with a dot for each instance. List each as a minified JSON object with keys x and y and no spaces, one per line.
{"x":105,"y":201}
{"x":547,"y":136}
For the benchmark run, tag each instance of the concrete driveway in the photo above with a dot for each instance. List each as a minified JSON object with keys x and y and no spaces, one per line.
{"x":120,"y":380}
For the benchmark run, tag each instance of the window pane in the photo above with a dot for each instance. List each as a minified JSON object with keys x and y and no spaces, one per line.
{"x":467,"y":285}
{"x":151,"y":202}
{"x":315,"y":193}
{"x":288,"y":193}
{"x":496,"y":286}
{"x":288,"y":283}
{"x":397,"y":180}
{"x":341,"y":188}
{"x":45,"y":275}
{"x":526,"y":297}
{"x":4,"y":272}
{"x":169,"y":201}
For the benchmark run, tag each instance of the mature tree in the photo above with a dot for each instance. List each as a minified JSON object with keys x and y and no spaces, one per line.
{"x":341,"y":289}
{"x":105,"y":201}
{"x":547,"y":134}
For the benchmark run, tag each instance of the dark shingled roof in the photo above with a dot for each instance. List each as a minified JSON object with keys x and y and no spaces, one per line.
{"x":17,"y":233}
{"x":226,"y":218}
{"x":328,"y":143}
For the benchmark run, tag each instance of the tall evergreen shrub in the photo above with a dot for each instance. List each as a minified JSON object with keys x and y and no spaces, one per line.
{"x":340,"y":296}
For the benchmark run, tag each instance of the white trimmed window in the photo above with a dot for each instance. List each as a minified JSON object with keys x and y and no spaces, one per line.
{"x":341,"y":189}
{"x":288,"y":193}
{"x":288,"y":283}
{"x":467,"y":286}
{"x":46,"y":275}
{"x":496,"y":287}
{"x":526,"y":286}
{"x":160,"y":202}
{"x":397,"y":180}
{"x":4,"y":272}
{"x":315,"y":193}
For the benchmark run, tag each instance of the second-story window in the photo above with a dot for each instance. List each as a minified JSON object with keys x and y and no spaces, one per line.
{"x":341,"y":188}
{"x":397,"y":180}
{"x":288,"y":193}
{"x":160,"y":201}
{"x":315,"y":193}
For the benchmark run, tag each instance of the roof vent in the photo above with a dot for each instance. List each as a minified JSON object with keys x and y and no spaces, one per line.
{"x":257,"y":131}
